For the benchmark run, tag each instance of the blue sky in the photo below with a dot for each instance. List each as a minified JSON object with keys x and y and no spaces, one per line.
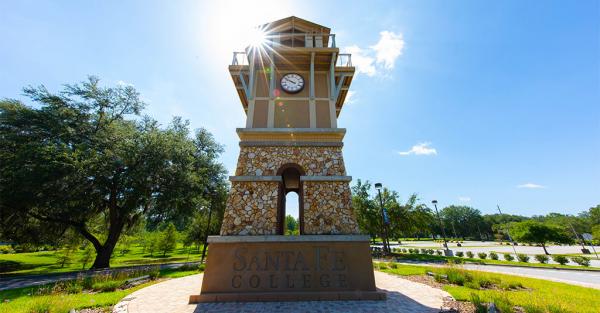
{"x":468,"y":102}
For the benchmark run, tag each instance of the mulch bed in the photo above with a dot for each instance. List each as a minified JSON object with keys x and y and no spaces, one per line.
{"x":450,"y":305}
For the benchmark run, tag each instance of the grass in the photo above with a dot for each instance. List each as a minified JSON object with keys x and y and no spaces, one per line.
{"x":50,"y":299}
{"x":46,"y":262}
{"x":438,"y":258}
{"x":534,"y":295}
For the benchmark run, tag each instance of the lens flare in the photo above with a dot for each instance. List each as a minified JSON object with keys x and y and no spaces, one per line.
{"x":257,"y":37}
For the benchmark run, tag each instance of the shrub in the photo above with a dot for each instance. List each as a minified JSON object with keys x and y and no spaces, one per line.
{"x":154,"y":273}
{"x":479,"y":306}
{"x":509,"y":257}
{"x":438,"y":252}
{"x":482,"y":255}
{"x":523,"y":257}
{"x":105,"y":286}
{"x":493,"y":255}
{"x":383,"y":266}
{"x":542,"y":258}
{"x":460,"y":254}
{"x":6,"y":249}
{"x":423,"y":251}
{"x":455,"y":261}
{"x":202,"y":267}
{"x":581,"y":260}
{"x":403,"y":250}
{"x":430,"y":251}
{"x":470,"y":254}
{"x":458,"y":277}
{"x":393,"y":265}
{"x":503,"y":304}
{"x":560,"y":259}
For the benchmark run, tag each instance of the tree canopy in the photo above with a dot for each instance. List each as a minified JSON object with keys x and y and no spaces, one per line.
{"x":540,"y":233}
{"x":84,"y":159}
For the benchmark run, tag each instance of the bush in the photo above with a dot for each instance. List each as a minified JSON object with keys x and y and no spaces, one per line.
{"x":482,"y":255}
{"x":460,"y":254}
{"x":154,"y":273}
{"x":470,"y":254}
{"x":456,"y":261}
{"x":430,"y":251}
{"x":493,"y":255}
{"x":479,"y":306}
{"x":523,"y":257}
{"x":560,"y":259}
{"x":202,"y":267}
{"x":393,"y":265}
{"x":509,"y":257}
{"x":423,"y":251}
{"x":105,"y":286}
{"x":581,"y":260}
{"x":403,"y":250}
{"x":6,"y":249}
{"x":383,"y":266}
{"x":458,"y":277}
{"x":542,"y":258}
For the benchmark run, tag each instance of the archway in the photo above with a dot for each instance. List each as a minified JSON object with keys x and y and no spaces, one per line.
{"x":290,"y":174}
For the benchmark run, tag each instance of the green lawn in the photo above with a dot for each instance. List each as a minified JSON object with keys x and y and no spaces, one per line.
{"x":26,"y":300}
{"x":534,"y":295}
{"x":47,"y":261}
{"x":439,"y":258}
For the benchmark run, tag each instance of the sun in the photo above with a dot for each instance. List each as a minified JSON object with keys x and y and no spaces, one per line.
{"x":257,"y":37}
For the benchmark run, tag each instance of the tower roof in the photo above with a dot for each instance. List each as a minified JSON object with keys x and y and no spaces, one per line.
{"x":294,"y":24}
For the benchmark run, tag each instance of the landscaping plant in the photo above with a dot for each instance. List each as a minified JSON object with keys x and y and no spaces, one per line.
{"x":523,"y":257}
{"x":493,"y":256}
{"x":542,"y":258}
{"x":509,"y":257}
{"x":560,"y":259}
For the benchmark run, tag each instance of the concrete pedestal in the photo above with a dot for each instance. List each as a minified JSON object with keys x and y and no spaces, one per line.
{"x":288,"y":268}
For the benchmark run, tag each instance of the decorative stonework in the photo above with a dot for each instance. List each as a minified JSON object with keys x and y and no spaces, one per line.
{"x":252,"y":206}
{"x":251,"y":209}
{"x":265,"y":161}
{"x":328,"y":208}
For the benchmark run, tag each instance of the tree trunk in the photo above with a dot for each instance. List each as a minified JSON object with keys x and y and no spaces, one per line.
{"x":104,"y":251}
{"x":103,"y":257}
{"x":545,"y":251}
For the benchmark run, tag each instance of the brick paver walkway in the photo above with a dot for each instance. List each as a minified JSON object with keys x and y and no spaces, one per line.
{"x":172,"y":296}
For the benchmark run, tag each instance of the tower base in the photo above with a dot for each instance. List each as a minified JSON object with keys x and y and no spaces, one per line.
{"x":288,"y":268}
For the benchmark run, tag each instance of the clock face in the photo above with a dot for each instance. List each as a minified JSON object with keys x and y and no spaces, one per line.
{"x":292,"y":83}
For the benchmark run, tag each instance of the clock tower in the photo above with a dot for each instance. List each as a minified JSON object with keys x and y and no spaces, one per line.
{"x":292,"y":86}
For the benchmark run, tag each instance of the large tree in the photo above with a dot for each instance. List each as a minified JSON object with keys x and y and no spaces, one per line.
{"x":536,"y":232}
{"x":80,"y":159}
{"x":463,"y":221}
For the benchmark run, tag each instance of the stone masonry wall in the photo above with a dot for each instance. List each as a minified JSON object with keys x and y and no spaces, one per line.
{"x":325,"y":161}
{"x":252,"y":206}
{"x":251,"y":209}
{"x":328,"y":208}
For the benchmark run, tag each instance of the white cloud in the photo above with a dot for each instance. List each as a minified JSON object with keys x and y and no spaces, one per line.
{"x":422,"y":148}
{"x":361,"y":59}
{"x":124,"y":84}
{"x":388,"y":48}
{"x":350,"y":97}
{"x":464,"y":199}
{"x":531,"y":186}
{"x":379,"y":58}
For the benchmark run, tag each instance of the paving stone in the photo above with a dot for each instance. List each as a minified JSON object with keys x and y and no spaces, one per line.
{"x":172,"y":296}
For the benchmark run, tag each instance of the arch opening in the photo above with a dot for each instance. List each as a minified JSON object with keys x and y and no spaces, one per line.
{"x":290,"y":211}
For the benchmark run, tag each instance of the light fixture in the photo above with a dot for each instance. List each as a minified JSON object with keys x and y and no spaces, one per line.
{"x":378,"y":186}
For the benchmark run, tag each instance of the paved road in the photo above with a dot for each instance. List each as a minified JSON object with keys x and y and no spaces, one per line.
{"x":36,"y":280}
{"x":581,"y":278}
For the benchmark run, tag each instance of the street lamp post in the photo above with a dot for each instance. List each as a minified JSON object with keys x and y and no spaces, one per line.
{"x":441,"y":224}
{"x":386,"y":244}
